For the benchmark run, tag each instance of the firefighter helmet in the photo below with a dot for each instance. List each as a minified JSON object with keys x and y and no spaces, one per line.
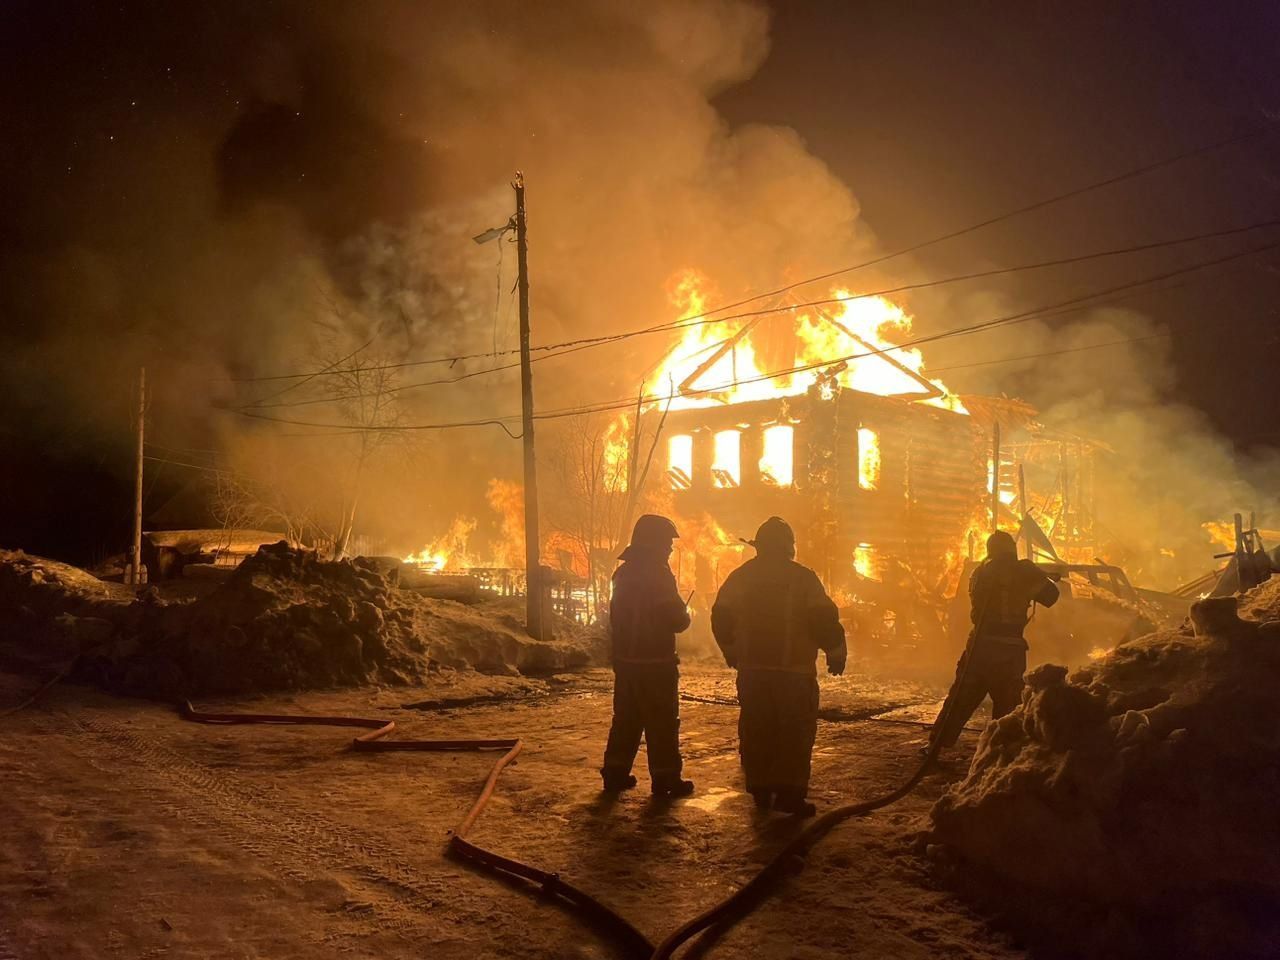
{"x":1001,"y":544}
{"x":775,"y":535}
{"x":652,"y":530}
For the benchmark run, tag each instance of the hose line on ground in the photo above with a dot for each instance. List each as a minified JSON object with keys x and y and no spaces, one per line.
{"x":603,"y":917}
{"x":746,"y":897}
{"x":740,"y":902}
{"x":726,"y":912}
{"x":374,"y":741}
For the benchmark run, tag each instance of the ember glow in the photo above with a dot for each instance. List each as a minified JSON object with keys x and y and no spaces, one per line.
{"x":680,"y":461}
{"x":777,"y":463}
{"x":456,"y":550}
{"x":868,"y":458}
{"x":864,"y":560}
{"x":449,"y":552}
{"x":727,"y":468}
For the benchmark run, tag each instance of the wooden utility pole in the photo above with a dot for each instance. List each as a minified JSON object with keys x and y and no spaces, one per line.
{"x":137,"y":485}
{"x":532,"y":551}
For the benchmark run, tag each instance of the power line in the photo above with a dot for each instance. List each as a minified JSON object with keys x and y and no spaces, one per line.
{"x":1039,"y":204}
{"x":1056,"y":309}
{"x":307,"y":378}
{"x":1029,"y":208}
{"x":1050,"y":353}
{"x":573,"y":346}
{"x":191,"y":466}
{"x":198,"y":451}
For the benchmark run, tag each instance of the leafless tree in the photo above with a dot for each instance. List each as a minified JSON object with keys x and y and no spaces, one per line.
{"x":364,"y":393}
{"x":239,"y":501}
{"x":598,"y":466}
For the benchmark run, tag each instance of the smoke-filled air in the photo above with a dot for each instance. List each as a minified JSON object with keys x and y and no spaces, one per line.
{"x":682,"y":478}
{"x":318,"y":218}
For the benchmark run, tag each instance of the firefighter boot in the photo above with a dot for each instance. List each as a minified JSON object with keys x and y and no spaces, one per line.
{"x":791,"y":800}
{"x":672,"y":787}
{"x":617,"y":782}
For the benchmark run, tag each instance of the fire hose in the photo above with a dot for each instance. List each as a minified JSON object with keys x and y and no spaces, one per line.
{"x":374,"y":741}
{"x":724,"y":913}
{"x":551,"y":884}
{"x":746,"y":897}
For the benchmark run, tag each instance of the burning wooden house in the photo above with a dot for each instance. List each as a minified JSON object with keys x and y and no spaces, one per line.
{"x":886,"y":476}
{"x":863,"y":479}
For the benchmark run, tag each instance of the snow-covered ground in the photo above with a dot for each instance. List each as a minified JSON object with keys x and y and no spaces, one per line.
{"x":127,"y":832}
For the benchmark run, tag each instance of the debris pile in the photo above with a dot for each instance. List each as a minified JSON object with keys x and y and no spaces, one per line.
{"x":1130,"y":810}
{"x":283,"y":620}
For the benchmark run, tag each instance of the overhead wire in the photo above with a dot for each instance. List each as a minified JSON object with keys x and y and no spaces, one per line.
{"x":574,"y":346}
{"x":1007,"y":215}
{"x":903,"y":251}
{"x":308,"y":377}
{"x":1075,"y":303}
{"x":1051,"y":353}
{"x":191,"y":466}
{"x":198,"y":451}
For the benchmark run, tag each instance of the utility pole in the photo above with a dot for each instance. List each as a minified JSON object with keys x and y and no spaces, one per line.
{"x":532,"y":551}
{"x":137,"y":486}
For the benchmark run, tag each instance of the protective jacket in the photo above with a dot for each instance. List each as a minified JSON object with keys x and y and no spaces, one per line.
{"x":1001,"y":592}
{"x":646,"y":610}
{"x":773,"y":614}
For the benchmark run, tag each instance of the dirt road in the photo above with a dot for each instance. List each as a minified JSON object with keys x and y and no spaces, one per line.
{"x":125,"y":832}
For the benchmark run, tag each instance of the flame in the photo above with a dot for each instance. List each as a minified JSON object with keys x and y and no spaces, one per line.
{"x":680,"y":461}
{"x":718,"y":362}
{"x":726,"y":469}
{"x":849,"y":343}
{"x":777,"y":462}
{"x":868,"y":458}
{"x":1006,"y":494}
{"x":506,"y":498}
{"x":1223,"y":534}
{"x":864,"y":561}
{"x":450,"y":551}
{"x":617,"y":453}
{"x":704,"y":555}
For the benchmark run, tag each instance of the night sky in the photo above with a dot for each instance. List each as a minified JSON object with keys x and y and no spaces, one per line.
{"x":937,"y":115}
{"x":942,"y":115}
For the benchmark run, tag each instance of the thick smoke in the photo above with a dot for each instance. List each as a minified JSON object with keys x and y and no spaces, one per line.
{"x":1164,"y":469}
{"x":253,"y":189}
{"x":305,"y":178}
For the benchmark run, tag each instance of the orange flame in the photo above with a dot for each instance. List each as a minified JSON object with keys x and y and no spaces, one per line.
{"x":718,"y":362}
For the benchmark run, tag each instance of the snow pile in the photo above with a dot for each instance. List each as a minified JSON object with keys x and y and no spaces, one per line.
{"x":48,"y":585}
{"x":48,"y":610}
{"x":283,"y":620}
{"x":1132,"y":809}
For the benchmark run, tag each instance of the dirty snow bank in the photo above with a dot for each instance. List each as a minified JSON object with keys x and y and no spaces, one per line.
{"x":1131,"y":811}
{"x":283,"y":620}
